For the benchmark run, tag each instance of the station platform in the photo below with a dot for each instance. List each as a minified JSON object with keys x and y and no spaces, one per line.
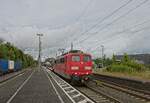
{"x":33,"y":86}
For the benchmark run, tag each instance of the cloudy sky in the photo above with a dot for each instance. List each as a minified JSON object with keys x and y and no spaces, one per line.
{"x":120,"y":25}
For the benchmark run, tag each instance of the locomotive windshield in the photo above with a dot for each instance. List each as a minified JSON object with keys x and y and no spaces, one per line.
{"x":76,"y":58}
{"x":86,"y":58}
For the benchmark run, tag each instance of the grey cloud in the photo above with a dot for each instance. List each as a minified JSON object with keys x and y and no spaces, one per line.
{"x":58,"y":21}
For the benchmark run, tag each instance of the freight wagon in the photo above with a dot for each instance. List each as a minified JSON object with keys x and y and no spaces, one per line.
{"x":7,"y":66}
{"x":3,"y":66}
{"x":17,"y":66}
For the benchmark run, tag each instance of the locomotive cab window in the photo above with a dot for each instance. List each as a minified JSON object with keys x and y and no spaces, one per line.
{"x":86,"y":58}
{"x":75,"y":58}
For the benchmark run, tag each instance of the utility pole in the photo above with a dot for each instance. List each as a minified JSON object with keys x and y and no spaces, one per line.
{"x":102,"y":46}
{"x":56,"y":53}
{"x":40,"y":48}
{"x":71,"y":46}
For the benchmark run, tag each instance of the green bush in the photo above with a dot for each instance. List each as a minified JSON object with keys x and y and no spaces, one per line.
{"x":119,"y":68}
{"x":126,"y":65}
{"x":136,"y":66}
{"x":148,"y":67}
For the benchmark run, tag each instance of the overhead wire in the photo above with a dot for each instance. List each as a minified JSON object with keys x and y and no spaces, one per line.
{"x":106,"y":17}
{"x":65,"y":39}
{"x":84,"y":11}
{"x":133,"y":32}
{"x":78,"y":18}
{"x":120,"y":17}
{"x":81,"y":16}
{"x":127,"y":29}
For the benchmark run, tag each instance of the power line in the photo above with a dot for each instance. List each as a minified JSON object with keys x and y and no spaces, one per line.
{"x":106,"y":17}
{"x":128,"y":29}
{"x":84,"y":10}
{"x":120,"y":17}
{"x":133,"y":32}
{"x":81,"y":15}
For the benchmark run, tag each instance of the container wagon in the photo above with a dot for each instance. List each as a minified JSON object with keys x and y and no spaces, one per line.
{"x":18,"y":66}
{"x":11,"y":65}
{"x":3,"y":66}
{"x":7,"y":66}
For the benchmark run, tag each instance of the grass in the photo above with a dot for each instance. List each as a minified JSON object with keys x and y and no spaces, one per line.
{"x":126,"y":68}
{"x":145,"y":75}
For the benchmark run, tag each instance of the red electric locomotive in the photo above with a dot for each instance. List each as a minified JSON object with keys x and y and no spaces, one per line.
{"x":75,"y":66}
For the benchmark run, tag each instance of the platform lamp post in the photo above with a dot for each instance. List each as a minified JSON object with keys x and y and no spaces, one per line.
{"x":40,"y":48}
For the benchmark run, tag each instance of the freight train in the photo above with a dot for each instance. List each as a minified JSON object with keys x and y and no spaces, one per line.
{"x":7,"y":66}
{"x":74,"y":66}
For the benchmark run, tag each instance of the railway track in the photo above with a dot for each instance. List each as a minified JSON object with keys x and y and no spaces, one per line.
{"x":97,"y":96}
{"x":101,"y":92}
{"x":138,"y":95}
{"x":138,"y":85}
{"x":83,"y":93}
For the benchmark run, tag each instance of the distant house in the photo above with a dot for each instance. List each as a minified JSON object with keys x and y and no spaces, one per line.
{"x":118,"y":60}
{"x":140,"y":58}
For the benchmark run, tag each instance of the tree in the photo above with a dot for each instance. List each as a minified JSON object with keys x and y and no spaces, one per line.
{"x":107,"y":62}
{"x":10,"y":52}
{"x":125,"y":58}
{"x":113,"y":59}
{"x":1,"y":40}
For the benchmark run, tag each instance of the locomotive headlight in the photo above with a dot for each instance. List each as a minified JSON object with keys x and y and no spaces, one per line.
{"x":74,"y":68}
{"x":87,"y":68}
